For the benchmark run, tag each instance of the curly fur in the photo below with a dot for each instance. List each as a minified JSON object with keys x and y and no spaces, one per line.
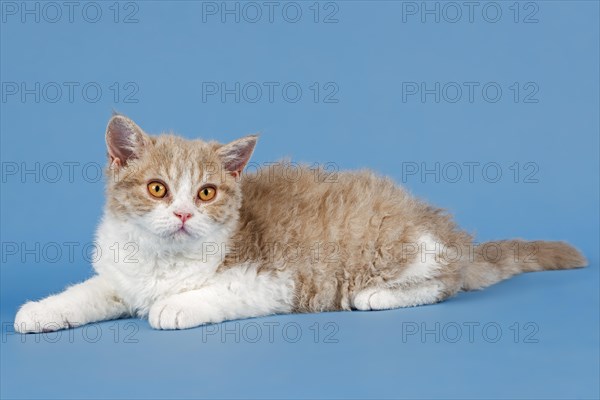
{"x":283,"y":239}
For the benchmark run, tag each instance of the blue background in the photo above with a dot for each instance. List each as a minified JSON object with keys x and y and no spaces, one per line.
{"x":368,"y":54}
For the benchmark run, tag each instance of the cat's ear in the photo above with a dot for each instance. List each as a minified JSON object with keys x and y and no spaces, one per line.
{"x":235,"y":155}
{"x":125,"y":140}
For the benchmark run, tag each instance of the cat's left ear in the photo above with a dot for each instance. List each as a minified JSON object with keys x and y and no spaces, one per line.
{"x":235,"y":155}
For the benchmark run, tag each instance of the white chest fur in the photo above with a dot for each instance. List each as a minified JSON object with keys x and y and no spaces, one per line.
{"x":144,"y":269}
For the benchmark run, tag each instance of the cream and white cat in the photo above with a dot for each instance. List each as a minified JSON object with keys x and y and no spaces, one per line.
{"x":200,"y":242}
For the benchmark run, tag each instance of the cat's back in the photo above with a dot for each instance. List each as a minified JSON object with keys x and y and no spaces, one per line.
{"x":290,"y":188}
{"x":297,"y":203}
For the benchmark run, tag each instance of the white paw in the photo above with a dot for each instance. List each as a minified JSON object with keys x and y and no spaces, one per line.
{"x":383,"y":300}
{"x":361,"y":300}
{"x":375,"y":299}
{"x":173,"y":313}
{"x":36,"y":317}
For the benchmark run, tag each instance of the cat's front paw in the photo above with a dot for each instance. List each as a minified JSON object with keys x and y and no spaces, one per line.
{"x":173,"y":313}
{"x":36,"y":317}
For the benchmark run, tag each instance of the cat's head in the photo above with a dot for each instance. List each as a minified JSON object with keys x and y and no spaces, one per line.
{"x":175,"y":190}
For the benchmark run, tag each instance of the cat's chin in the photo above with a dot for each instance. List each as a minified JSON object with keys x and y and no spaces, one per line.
{"x":177,"y":242}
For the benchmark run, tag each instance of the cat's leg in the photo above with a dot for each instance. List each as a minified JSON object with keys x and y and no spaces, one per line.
{"x":90,"y":301}
{"x":234,"y":294}
{"x":384,"y":298}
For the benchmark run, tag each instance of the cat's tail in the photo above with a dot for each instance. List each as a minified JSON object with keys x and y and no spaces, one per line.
{"x":496,"y":261}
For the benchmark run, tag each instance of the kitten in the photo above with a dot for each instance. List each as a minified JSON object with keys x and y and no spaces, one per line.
{"x":199,"y":242}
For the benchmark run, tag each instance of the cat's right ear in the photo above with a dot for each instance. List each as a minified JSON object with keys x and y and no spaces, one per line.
{"x":125,"y":141}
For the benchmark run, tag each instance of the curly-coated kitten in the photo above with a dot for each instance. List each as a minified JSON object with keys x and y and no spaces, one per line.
{"x":201,"y":242}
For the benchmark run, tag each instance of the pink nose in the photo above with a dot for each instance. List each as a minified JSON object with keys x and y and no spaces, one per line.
{"x":183,"y":216}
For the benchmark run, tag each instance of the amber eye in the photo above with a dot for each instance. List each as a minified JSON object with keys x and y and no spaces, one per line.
{"x":157,"y":189}
{"x":207,"y":193}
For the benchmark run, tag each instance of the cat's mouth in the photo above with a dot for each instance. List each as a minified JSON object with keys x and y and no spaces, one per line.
{"x":182,"y":231}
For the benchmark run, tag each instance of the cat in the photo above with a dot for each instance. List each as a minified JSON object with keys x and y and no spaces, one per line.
{"x":200,"y":241}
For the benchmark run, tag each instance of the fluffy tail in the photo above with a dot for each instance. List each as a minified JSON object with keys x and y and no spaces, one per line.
{"x":496,"y":261}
